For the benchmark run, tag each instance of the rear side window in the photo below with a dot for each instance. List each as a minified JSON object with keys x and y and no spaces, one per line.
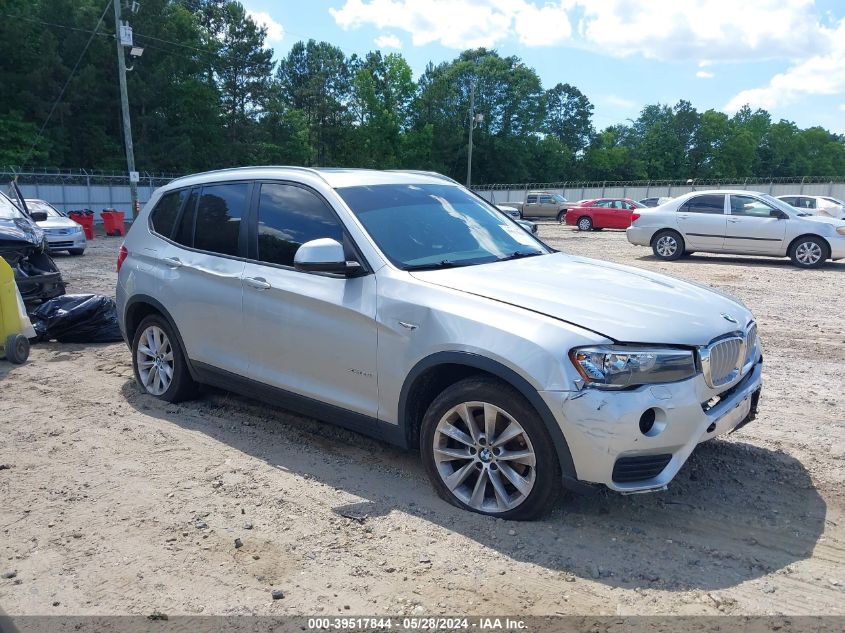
{"x":289,"y":216}
{"x":710,"y":203}
{"x":531,"y":199}
{"x":185,"y":230}
{"x":219,"y":212}
{"x":163,"y":217}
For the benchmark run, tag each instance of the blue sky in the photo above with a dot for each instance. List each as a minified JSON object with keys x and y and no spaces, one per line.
{"x":787,"y":56}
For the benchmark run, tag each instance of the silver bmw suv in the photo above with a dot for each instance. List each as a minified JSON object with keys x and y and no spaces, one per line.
{"x":403,"y":306}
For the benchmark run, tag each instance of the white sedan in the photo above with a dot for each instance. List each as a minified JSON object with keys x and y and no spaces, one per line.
{"x":741,"y":223}
{"x":817,"y":205}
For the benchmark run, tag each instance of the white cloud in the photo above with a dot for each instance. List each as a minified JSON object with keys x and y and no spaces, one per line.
{"x":388,"y":41}
{"x":461,"y":24}
{"x":275,"y":31}
{"x":702,"y":29}
{"x":822,"y":74}
{"x":620,"y":102}
{"x":842,"y":107}
{"x":704,"y":74}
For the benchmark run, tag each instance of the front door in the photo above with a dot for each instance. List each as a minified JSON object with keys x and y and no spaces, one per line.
{"x":703,"y":223}
{"x":754,"y":226}
{"x":310,"y":334}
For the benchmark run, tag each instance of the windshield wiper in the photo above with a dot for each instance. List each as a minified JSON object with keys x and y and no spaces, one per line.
{"x":444,"y":263}
{"x":520,"y":255}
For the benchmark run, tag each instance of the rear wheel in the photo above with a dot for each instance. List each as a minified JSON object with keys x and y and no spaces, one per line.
{"x":585,"y":224}
{"x":159,"y":362}
{"x":808,"y":252}
{"x":668,"y":245}
{"x":17,"y":348}
{"x":486,"y":450}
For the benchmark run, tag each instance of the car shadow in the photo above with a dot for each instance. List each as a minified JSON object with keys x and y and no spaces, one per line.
{"x":735,"y":511}
{"x":736,"y":260}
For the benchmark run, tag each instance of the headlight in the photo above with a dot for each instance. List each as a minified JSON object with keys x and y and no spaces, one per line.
{"x":77,"y":229}
{"x":840,"y":230}
{"x":620,"y":366}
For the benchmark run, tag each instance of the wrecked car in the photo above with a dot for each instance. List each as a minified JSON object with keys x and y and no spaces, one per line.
{"x":23,"y":246}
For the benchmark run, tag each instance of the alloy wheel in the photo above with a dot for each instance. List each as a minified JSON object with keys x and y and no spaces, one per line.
{"x":155,"y":360}
{"x":808,"y":253}
{"x":584,"y":224}
{"x":667,"y":246}
{"x":484,"y":457}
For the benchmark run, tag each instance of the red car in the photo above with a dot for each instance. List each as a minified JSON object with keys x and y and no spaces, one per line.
{"x":603,"y":213}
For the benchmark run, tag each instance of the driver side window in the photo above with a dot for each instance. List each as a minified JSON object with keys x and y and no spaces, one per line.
{"x":751,"y":207}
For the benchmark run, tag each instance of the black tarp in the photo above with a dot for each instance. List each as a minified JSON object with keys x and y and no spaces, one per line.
{"x":77,"y":319}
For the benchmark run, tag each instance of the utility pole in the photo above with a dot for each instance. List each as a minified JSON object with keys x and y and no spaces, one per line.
{"x":124,"y":102}
{"x":474,"y":119}
{"x":471,"y":127}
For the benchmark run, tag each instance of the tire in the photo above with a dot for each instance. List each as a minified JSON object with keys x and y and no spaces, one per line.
{"x":585,"y":224}
{"x":668,"y":245}
{"x":152,"y":379}
{"x":809,"y":252}
{"x":482,"y":480}
{"x":76,"y":251}
{"x":561,"y":217}
{"x":17,"y":348}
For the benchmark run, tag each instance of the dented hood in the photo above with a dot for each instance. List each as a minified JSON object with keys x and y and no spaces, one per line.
{"x":623,"y":303}
{"x":18,"y":233}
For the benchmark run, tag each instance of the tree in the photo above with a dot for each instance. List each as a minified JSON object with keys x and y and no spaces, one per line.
{"x":568,"y":114}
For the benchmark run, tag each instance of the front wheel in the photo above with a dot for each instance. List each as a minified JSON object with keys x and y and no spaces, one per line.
{"x":585,"y":224}
{"x":561,"y":217}
{"x":808,"y":252}
{"x":76,"y":251}
{"x":159,"y":362}
{"x":486,"y":450}
{"x":668,"y":245}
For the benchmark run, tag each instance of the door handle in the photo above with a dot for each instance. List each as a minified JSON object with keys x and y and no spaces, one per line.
{"x":173,"y":262}
{"x":682,"y":216}
{"x":733,"y":220}
{"x":259,"y":283}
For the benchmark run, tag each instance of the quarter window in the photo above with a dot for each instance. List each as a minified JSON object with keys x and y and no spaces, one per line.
{"x":714,"y":204}
{"x":289,"y":216}
{"x":219,"y":212}
{"x":531,"y":199}
{"x":163,"y":217}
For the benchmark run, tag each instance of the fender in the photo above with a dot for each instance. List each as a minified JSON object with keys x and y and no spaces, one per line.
{"x":509,"y":376}
{"x":163,"y":311}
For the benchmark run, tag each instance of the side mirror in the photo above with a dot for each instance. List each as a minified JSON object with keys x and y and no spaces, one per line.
{"x":324,"y":255}
{"x":38,"y":216}
{"x":777,"y":213}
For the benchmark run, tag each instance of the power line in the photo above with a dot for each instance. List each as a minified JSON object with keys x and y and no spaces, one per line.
{"x":67,"y":83}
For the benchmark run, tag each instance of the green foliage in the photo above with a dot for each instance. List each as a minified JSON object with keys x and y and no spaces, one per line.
{"x":207,"y":94}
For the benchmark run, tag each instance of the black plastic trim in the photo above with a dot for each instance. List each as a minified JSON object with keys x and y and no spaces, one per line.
{"x":303,"y":405}
{"x":508,"y":375}
{"x":639,"y":467}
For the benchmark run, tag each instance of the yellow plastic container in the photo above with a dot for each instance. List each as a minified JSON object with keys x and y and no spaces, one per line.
{"x":15,"y":326}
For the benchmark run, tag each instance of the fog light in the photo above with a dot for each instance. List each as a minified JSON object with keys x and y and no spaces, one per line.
{"x":647,"y":421}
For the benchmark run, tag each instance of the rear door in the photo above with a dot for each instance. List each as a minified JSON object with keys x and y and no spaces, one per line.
{"x":307,"y":333}
{"x":199,"y":270}
{"x":754,"y":226}
{"x":703,"y":222}
{"x":531,"y":207}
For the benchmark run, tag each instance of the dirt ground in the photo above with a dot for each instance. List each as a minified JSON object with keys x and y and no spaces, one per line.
{"x":115,"y":503}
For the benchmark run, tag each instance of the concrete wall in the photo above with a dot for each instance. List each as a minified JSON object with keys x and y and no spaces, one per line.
{"x":500,"y":195}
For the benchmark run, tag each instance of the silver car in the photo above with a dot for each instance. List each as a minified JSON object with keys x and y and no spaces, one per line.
{"x":741,"y":223}
{"x":62,"y":233}
{"x":403,"y":306}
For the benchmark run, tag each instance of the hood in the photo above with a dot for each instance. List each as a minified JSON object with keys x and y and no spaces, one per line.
{"x":20,"y":232}
{"x":620,"y":302}
{"x":824,"y":219}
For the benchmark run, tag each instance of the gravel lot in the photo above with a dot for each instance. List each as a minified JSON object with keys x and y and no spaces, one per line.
{"x":114,"y":503}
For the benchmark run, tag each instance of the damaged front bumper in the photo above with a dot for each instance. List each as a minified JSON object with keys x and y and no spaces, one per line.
{"x":36,"y":274}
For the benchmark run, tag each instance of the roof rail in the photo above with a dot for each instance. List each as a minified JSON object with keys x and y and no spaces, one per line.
{"x":423,"y":172}
{"x":308,"y":170}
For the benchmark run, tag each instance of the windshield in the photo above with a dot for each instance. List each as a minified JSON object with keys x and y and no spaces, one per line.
{"x":780,"y":204}
{"x":8,"y":211}
{"x":437,"y":226}
{"x":559,"y":198}
{"x":40,"y":205}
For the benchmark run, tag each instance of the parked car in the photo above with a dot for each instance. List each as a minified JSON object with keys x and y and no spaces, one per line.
{"x":23,"y":246}
{"x":529,"y":226}
{"x":62,"y":233}
{"x":738,"y":222}
{"x":403,"y":306}
{"x":818,"y":205}
{"x":541,"y":204}
{"x":603,"y":213}
{"x":655,"y":202}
